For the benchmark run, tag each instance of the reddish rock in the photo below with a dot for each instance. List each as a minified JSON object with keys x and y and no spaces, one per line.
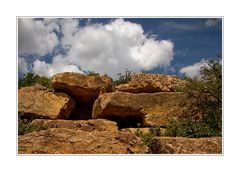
{"x":39,"y":102}
{"x":151,"y":83}
{"x":153,"y":108}
{"x":71,"y":141}
{"x":182,"y":145}
{"x":84,"y":89}
{"x":84,"y":125}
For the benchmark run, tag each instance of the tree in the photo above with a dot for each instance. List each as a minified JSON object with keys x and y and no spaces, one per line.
{"x":206,"y":89}
{"x":30,"y":79}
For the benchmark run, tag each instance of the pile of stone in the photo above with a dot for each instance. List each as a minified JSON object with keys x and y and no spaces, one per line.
{"x":86,"y":114}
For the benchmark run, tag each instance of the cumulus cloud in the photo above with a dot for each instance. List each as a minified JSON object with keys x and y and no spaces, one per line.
{"x":193,"y":70}
{"x":68,"y":27}
{"x":58,"y":65}
{"x":36,"y":37}
{"x":113,"y":47}
{"x":105,"y":48}
{"x":212,"y":22}
{"x":22,"y":65}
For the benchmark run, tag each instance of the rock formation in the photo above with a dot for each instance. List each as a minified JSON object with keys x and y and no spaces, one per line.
{"x":67,"y":128}
{"x":151,"y":83}
{"x":84,"y":89}
{"x":84,"y":125}
{"x":181,"y":145}
{"x":153,"y":108}
{"x":71,"y":141}
{"x":39,"y":102}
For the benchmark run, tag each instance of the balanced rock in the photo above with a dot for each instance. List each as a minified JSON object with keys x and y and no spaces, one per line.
{"x":153,"y":108}
{"x":183,"y":145}
{"x":84,"y":89}
{"x":38,"y":102}
{"x":151,"y":83}
{"x":84,"y":125}
{"x":71,"y":141}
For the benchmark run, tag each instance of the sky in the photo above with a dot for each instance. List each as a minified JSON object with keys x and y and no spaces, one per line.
{"x":179,"y":46}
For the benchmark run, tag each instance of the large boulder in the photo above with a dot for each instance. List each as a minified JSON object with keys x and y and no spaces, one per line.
{"x":71,"y":141}
{"x":84,"y":89}
{"x":153,"y":108}
{"x":183,"y":145}
{"x":39,"y":102}
{"x":84,"y":125}
{"x":151,"y":83}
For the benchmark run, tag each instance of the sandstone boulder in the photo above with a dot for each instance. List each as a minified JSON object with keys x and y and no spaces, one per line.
{"x":84,"y":89}
{"x":143,"y":130}
{"x":182,"y":145}
{"x":134,"y":130}
{"x":153,"y":108}
{"x":38,"y":102}
{"x":84,"y":125}
{"x":70,"y":141}
{"x":151,"y":83}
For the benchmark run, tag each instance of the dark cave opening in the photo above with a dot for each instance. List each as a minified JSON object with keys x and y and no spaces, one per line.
{"x":81,"y":112}
{"x":127,"y":122}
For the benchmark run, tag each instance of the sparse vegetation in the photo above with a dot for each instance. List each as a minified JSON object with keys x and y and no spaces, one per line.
{"x":92,"y":73}
{"x":24,"y":126}
{"x":31,"y":79}
{"x":147,"y":138}
{"x":191,"y":128}
{"x":207,"y":91}
{"x":123,"y":78}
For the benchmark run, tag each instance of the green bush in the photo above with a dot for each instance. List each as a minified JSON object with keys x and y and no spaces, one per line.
{"x":190,"y":128}
{"x":148,"y":137}
{"x":207,"y":91}
{"x":123,"y":78}
{"x":31,"y":79}
{"x":24,"y":126}
{"x":92,"y":73}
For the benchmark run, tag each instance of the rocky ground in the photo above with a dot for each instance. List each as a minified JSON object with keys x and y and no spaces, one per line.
{"x":88,"y":115}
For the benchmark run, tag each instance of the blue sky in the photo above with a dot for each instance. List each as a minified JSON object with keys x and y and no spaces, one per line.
{"x":156,"y":45}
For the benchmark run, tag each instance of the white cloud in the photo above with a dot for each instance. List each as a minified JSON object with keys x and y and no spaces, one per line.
{"x":193,"y":70}
{"x":113,"y":47}
{"x":105,"y":48}
{"x":212,"y":22}
{"x":22,"y":65}
{"x":171,"y":25}
{"x":58,"y":65}
{"x":68,"y":27}
{"x":36,"y":37}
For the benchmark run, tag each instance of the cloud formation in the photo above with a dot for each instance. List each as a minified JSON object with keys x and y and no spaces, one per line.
{"x":58,"y":65}
{"x":105,"y":48}
{"x":171,"y":25}
{"x":22,"y":65}
{"x":193,"y":70}
{"x":36,"y":37}
{"x":212,"y":22}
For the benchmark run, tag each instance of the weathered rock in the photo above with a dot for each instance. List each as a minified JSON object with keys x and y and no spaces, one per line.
{"x":151,"y":83}
{"x":134,"y":130}
{"x":70,"y":141}
{"x":84,"y":125}
{"x":143,"y":130}
{"x":84,"y":89}
{"x":153,"y":108}
{"x":182,"y":145}
{"x":39,"y":102}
